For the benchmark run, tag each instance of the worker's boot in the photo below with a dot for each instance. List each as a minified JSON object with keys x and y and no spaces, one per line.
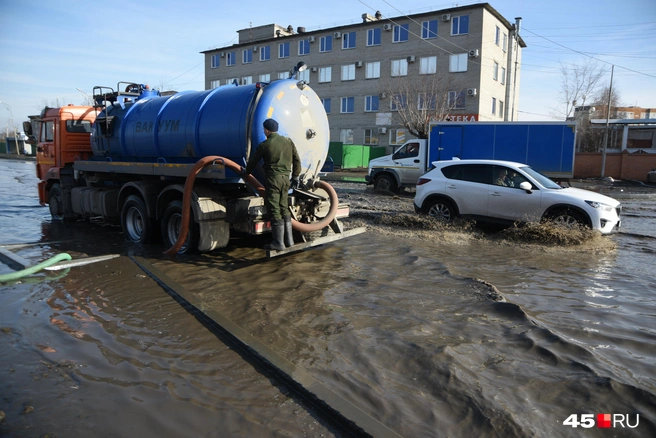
{"x":278,"y":233}
{"x":289,"y":232}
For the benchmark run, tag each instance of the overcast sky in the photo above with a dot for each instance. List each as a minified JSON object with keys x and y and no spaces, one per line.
{"x":51,"y":48}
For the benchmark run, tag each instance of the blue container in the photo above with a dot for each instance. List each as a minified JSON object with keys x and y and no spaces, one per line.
{"x":226,"y":121}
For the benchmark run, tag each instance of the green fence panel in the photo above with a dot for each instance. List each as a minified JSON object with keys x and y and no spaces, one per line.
{"x":335,"y":151}
{"x":376,"y":152}
{"x":352,"y":156}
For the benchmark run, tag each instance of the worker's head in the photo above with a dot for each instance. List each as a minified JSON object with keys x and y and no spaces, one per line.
{"x":271,"y":125}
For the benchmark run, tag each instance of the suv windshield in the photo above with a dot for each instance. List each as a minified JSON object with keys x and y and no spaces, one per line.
{"x":543,"y":180}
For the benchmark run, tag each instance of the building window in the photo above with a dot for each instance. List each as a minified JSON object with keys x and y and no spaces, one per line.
{"x":325,"y":74}
{"x":347,"y":104}
{"x":460,"y":25}
{"x":216,"y":60}
{"x":265,"y":77}
{"x":373,"y":37}
{"x":397,"y":136}
{"x":370,"y":104}
{"x":283,"y":75}
{"x":371,"y":136}
{"x":456,"y":99}
{"x":398,"y":101}
{"x":495,"y":71}
{"x":458,"y":63}
{"x":494,"y":105}
{"x":247,"y":80}
{"x":400,"y":33}
{"x":232,"y":81}
{"x":348,"y":72}
{"x":326,"y":105}
{"x":326,"y":44}
{"x":283,"y":50}
{"x":346,"y":136}
{"x":503,"y":75}
{"x":303,"y":47}
{"x":497,"y":36}
{"x":428,"y":65}
{"x":426,"y":101}
{"x":304,"y":76}
{"x":247,"y":56}
{"x":505,"y":42}
{"x":429,"y":29}
{"x":348,"y":40}
{"x":231,"y":58}
{"x":373,"y":70}
{"x":215,"y":83}
{"x":265,"y":53}
{"x":400,"y":67}
{"x":501,"y":108}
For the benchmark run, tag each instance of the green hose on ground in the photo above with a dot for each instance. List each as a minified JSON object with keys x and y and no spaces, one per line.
{"x":36,"y":268}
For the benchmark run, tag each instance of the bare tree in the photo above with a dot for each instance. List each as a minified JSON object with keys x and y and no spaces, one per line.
{"x":579,"y":83}
{"x":592,"y":137}
{"x":600,"y":103}
{"x":419,"y":100}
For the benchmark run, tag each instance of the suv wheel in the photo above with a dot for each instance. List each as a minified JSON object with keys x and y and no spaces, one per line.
{"x":567,"y":218}
{"x":440,"y":209}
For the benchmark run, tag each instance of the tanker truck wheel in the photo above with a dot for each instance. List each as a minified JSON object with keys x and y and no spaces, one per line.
{"x":171,"y":228}
{"x":56,"y":202}
{"x":137,"y":226}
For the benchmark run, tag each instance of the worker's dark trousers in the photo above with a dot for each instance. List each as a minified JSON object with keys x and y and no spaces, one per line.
{"x":275,"y":197}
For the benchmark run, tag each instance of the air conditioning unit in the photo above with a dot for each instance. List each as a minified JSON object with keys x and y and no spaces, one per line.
{"x":411,"y":58}
{"x":315,"y":69}
{"x":471,"y":92}
{"x":473,"y":53}
{"x":255,"y":48}
{"x":222,"y":55}
{"x":359,"y":64}
{"x":446,"y":17}
{"x":337,"y":35}
{"x":382,"y":130}
{"x":311,"y":39}
{"x":382,"y":95}
{"x":387,"y":27}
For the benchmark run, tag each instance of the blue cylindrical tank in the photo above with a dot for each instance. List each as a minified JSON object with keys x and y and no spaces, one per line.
{"x":226,"y":121}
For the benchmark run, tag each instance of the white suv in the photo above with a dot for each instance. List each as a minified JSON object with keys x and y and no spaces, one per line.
{"x":508,"y":192}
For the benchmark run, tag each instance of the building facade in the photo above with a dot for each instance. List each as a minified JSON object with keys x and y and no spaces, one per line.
{"x":472,"y":50}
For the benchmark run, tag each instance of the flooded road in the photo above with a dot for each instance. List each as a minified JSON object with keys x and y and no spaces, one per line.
{"x":454,"y":336}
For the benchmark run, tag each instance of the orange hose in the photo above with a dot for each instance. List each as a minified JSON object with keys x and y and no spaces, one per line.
{"x":250,"y":179}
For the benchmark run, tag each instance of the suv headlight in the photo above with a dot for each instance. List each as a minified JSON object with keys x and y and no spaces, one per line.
{"x":599,"y":205}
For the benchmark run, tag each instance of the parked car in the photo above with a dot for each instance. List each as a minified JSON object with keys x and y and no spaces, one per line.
{"x":507,"y":192}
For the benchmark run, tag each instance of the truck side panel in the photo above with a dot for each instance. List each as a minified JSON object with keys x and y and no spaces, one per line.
{"x":547,"y":147}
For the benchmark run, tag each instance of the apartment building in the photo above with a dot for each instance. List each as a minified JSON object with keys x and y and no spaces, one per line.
{"x":472,"y":50}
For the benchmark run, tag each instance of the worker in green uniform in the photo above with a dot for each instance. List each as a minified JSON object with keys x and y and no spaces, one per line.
{"x":280,"y":158}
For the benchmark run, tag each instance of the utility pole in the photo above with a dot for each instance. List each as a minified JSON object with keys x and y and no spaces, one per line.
{"x":610,"y":93}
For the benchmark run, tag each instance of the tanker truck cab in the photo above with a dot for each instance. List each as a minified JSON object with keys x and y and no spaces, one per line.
{"x":401,"y":169}
{"x":62,"y":137}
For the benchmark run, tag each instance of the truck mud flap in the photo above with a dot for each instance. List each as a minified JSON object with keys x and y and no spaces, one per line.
{"x":316,"y":242}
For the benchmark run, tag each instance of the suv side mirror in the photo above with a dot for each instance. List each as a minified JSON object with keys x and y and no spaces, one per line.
{"x":526,"y":186}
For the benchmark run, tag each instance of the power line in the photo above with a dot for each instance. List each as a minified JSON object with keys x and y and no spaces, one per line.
{"x":586,"y":55}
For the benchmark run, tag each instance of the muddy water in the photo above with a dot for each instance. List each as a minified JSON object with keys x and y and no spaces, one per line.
{"x":453,"y":336}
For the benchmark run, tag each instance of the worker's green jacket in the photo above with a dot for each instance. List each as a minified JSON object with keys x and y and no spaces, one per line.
{"x":279,"y":154}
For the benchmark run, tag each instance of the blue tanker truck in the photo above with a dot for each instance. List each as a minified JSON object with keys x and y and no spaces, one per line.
{"x":548,"y":147}
{"x":168,"y":166}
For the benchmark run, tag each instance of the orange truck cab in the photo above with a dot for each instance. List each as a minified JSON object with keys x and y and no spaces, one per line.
{"x":62,"y":136}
